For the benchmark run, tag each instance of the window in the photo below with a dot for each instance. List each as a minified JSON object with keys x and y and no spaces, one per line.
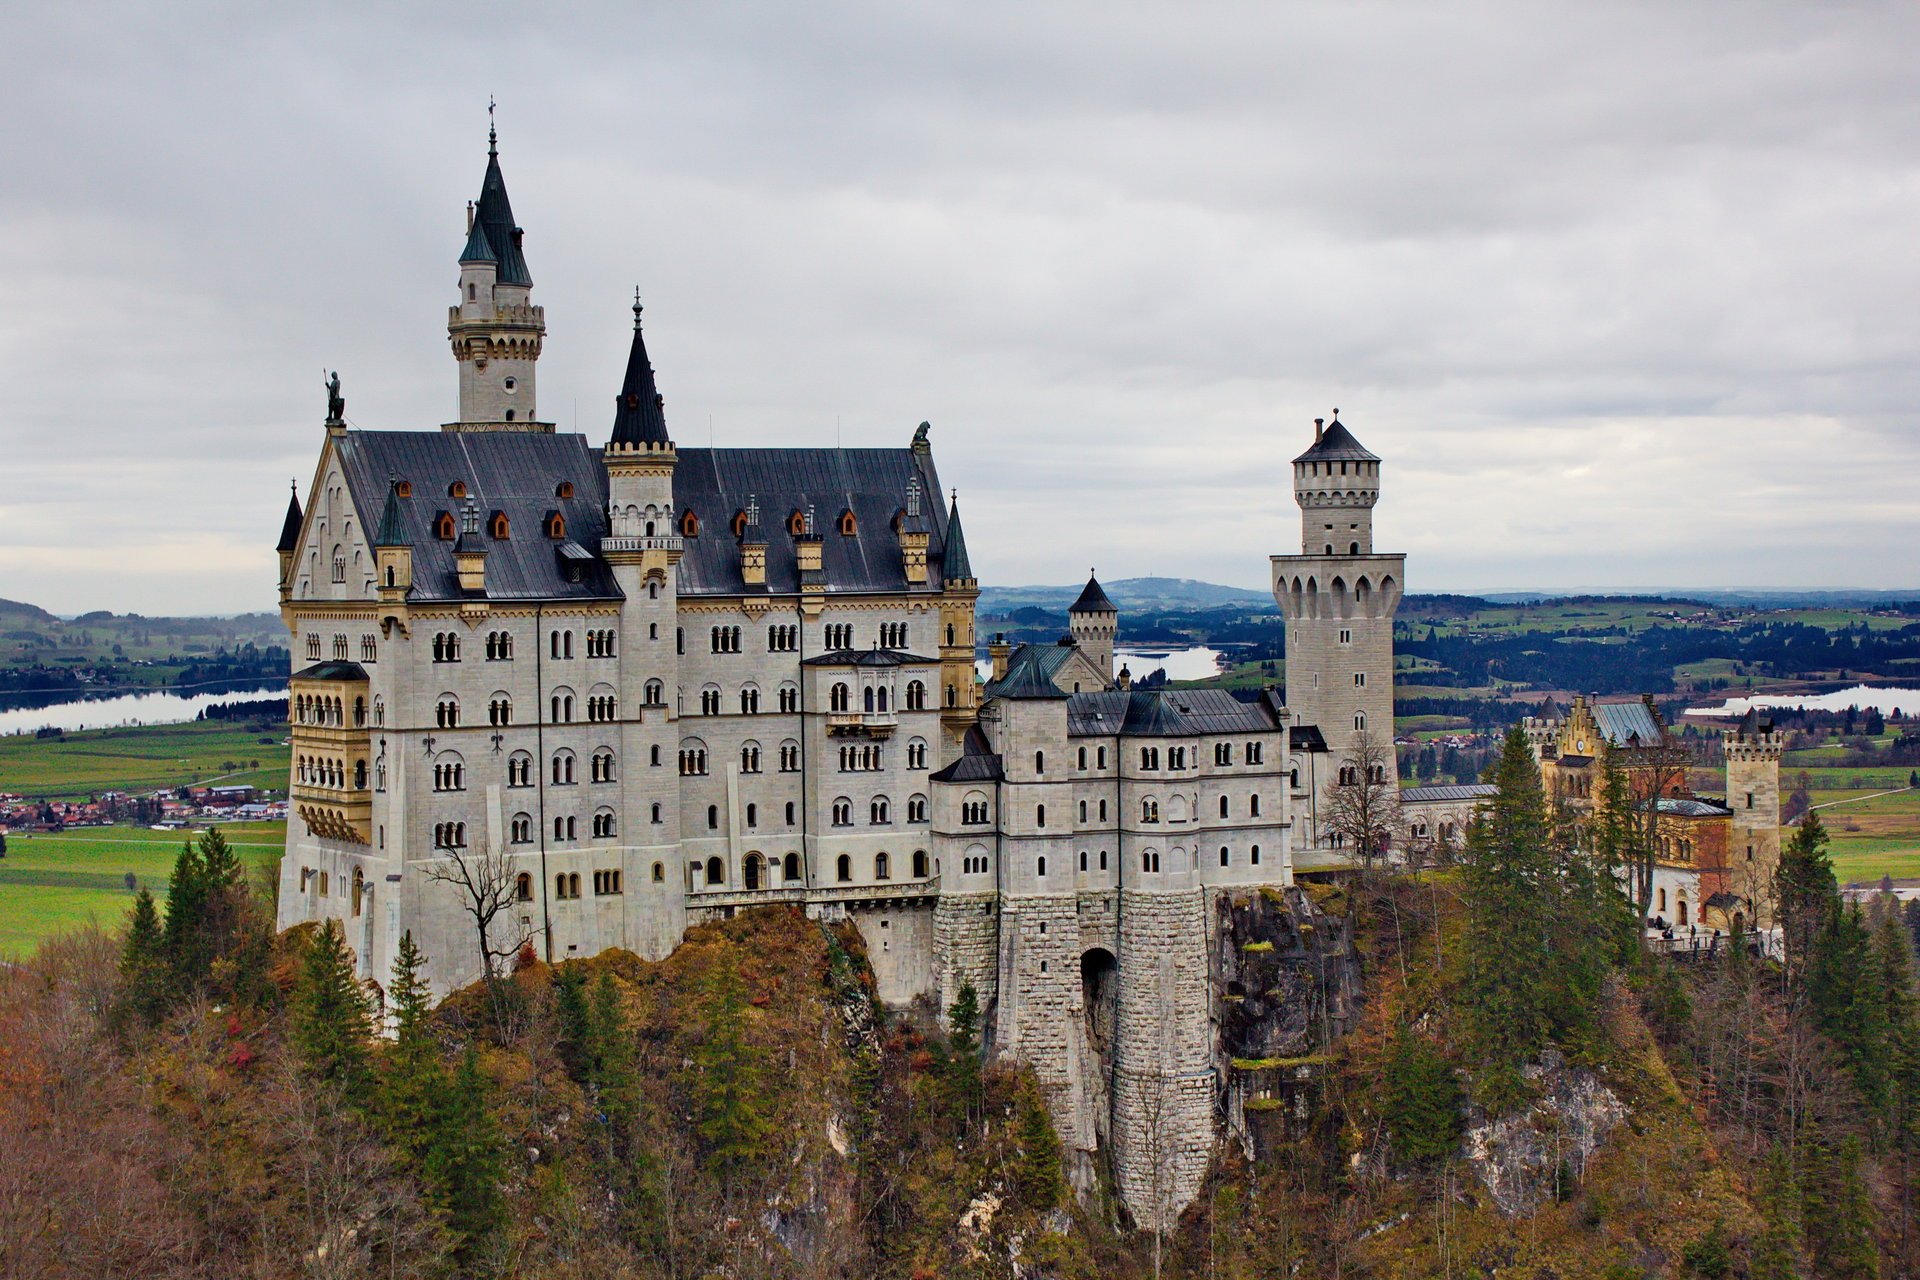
{"x":1254,"y":752}
{"x":562,"y":706}
{"x":313,"y":648}
{"x":600,"y":644}
{"x":843,"y":813}
{"x":916,"y":754}
{"x":368,"y":651}
{"x":656,"y":694}
{"x":1359,"y":722}
{"x":1149,"y":757}
{"x":783,"y":637}
{"x":446,"y":712}
{"x":1039,"y":815}
{"x":1149,"y":810}
{"x":789,"y":757}
{"x":916,"y":695}
{"x":446,"y":646}
{"x":839,"y":635}
{"x":1359,"y":679}
{"x":601,"y":708}
{"x":1226,"y":859}
{"x":1223,"y":753}
{"x":724,"y":639}
{"x":1039,"y":762}
{"x":919,"y":864}
{"x":449,"y":774}
{"x":446,"y":835}
{"x":789,"y":698}
{"x":603,"y":824}
{"x":1100,"y":757}
{"x":522,"y":828}
{"x":753,"y":815}
{"x":882,"y":867}
{"x":750,"y":758}
{"x":973,"y":812}
{"x":693,"y":760}
{"x":563,"y":829}
{"x":878,"y":812}
{"x":689,"y":525}
{"x":497,"y":525}
{"x":560,"y":644}
{"x":602,"y":766}
{"x":566,"y":885}
{"x":656,"y":815}
{"x":499,"y":646}
{"x":749,"y":701}
{"x":499,"y":709}
{"x":523,"y":888}
{"x":1253,"y":804}
{"x":556,"y":525}
{"x":848,"y":527}
{"x":1103,"y":859}
{"x":659,"y":873}
{"x":1253,"y":855}
{"x":519,"y":769}
{"x":839,"y":698}
{"x":1040,"y":869}
{"x":1083,"y":811}
{"x":917,"y":809}
{"x":843,"y":868}
{"x":789,"y":813}
{"x":1150,"y":860}
{"x":713,"y":817}
{"x":1223,"y":806}
{"x":606,"y":882}
{"x":443,"y":526}
{"x":563,"y":769}
{"x":1346,"y":636}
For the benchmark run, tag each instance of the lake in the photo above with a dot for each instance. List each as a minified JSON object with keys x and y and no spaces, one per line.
{"x":1195,"y":663}
{"x":1883,"y":700}
{"x":132,"y":708}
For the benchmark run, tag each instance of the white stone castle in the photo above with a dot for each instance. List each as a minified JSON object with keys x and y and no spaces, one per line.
{"x":651,"y":685}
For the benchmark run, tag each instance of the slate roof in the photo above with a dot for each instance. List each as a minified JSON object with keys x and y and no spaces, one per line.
{"x":1623,"y":722}
{"x":478,"y":250}
{"x":393,"y":524}
{"x":515,"y":472}
{"x":639,"y":411}
{"x":871,"y":483}
{"x":1692,"y":807}
{"x":1548,"y":710}
{"x":1026,"y":683}
{"x":290,"y":527}
{"x":1307,"y":737}
{"x":494,"y":214}
{"x":1752,"y":726}
{"x":978,"y":762}
{"x":1165,"y":713}
{"x":332,"y":670}
{"x":956,"y":565}
{"x":1043,"y":661}
{"x":1336,"y":444}
{"x":868,"y":658}
{"x":1092,"y":599}
{"x":1444,"y":793}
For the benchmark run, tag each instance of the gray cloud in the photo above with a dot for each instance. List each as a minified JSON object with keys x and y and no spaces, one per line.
{"x":1622,"y":292}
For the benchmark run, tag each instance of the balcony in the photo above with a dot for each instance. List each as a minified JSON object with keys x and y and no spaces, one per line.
{"x":630,"y":544}
{"x":332,"y":813}
{"x":861,"y":724}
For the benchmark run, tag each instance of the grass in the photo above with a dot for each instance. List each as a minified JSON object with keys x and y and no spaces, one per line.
{"x":143,"y":758}
{"x":1875,"y":837}
{"x":59,"y":881}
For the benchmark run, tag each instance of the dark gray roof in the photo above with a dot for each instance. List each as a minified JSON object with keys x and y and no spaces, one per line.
{"x":868,"y":658}
{"x":1465,"y":791}
{"x":977,"y":762}
{"x":515,"y":472}
{"x":1572,"y":761}
{"x":290,"y":527}
{"x":494,"y":213}
{"x":478,"y":250}
{"x":639,"y":412}
{"x":1025,"y":683}
{"x":955,"y":566}
{"x":1336,"y":444}
{"x":1752,"y":726}
{"x":1627,"y":723}
{"x":1038,"y":661}
{"x":1307,"y":737}
{"x":393,"y":525}
{"x":1092,"y":599}
{"x":332,"y":670}
{"x":1548,"y":710}
{"x":1165,"y":713}
{"x":871,"y":483}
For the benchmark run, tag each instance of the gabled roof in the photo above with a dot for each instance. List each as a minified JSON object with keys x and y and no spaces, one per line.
{"x":290,"y":527}
{"x":872,"y":483}
{"x":1752,"y":726}
{"x":1336,"y":444}
{"x":495,"y":213}
{"x":1443,"y":792}
{"x":639,"y":414}
{"x":1027,"y":683}
{"x":1627,"y":724}
{"x":868,"y":658}
{"x":977,"y":761}
{"x":955,"y":566}
{"x":511,"y":471}
{"x":1092,"y":599}
{"x":1165,"y":713}
{"x":332,"y":670}
{"x":1043,"y":660}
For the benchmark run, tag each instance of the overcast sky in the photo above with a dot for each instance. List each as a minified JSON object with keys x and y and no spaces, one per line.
{"x":1626,"y":295}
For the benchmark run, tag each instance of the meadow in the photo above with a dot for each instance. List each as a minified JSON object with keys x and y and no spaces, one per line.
{"x":144,"y":758}
{"x":62,"y":880}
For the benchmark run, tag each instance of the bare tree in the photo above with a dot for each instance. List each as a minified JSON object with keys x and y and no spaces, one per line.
{"x":487,"y":881}
{"x":1652,"y":773}
{"x":1362,"y":805}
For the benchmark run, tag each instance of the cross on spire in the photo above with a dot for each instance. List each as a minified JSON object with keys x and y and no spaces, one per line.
{"x":492,"y":135}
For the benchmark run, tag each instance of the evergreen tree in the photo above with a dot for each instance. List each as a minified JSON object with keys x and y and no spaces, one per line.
{"x":1893,"y":958}
{"x":1807,"y":897}
{"x":1420,"y":1101}
{"x":1775,"y":1254}
{"x":185,"y":935}
{"x":412,"y":1089}
{"x":570,"y":1006}
{"x":464,"y":1166}
{"x":329,"y":1022}
{"x":143,"y":963}
{"x":1839,"y":1217}
{"x":1845,"y":986}
{"x":963,"y":1041}
{"x":1509,"y":919}
{"x":729,"y":1110}
{"x":1038,"y":1175}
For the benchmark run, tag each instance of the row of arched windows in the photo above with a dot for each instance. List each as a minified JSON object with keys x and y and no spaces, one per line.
{"x":324,"y":771}
{"x":315,"y":710}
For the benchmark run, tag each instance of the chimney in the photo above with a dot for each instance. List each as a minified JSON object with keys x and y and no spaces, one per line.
{"x":470,"y":552}
{"x":806,"y":548}
{"x":999,"y":651}
{"x":1319,"y":425}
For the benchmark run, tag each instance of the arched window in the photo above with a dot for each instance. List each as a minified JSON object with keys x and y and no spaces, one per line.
{"x":839,"y":698}
{"x":1359,"y":722}
{"x":916,"y":696}
{"x":1039,"y":762}
{"x":882,"y":867}
{"x":848,"y":526}
{"x":713,"y":817}
{"x":716,"y":871}
{"x":1040,"y":869}
{"x":843,"y":868}
{"x":689,"y":524}
{"x":919,"y":864}
{"x":523,"y":887}
{"x":878,"y":811}
{"x":520,"y":831}
{"x":498,"y":525}
{"x":790,"y":870}
{"x":359,"y":888}
{"x":659,"y":873}
{"x":1226,"y":858}
{"x":1040,"y":815}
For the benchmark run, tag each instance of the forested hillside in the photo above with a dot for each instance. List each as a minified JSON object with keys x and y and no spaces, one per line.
{"x":1525,"y":1093}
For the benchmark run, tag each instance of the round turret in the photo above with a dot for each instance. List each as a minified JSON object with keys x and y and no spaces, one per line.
{"x":1336,"y":482}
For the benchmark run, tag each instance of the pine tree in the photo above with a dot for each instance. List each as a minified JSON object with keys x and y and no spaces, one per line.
{"x":185,"y":935}
{"x":412,"y":1088}
{"x":464,"y":1166}
{"x":329,"y":1022}
{"x":1775,"y":1253}
{"x":1509,"y":923}
{"x":143,"y":963}
{"x":963,"y":1043}
{"x":729,"y":1110}
{"x":1845,"y":987}
{"x":1893,"y":958}
{"x":570,"y":1006}
{"x":1807,"y":897}
{"x":1038,"y":1174}
{"x":1420,"y":1101}
{"x":1839,"y":1214}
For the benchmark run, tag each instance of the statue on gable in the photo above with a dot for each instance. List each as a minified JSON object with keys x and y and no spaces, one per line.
{"x":336,"y":403}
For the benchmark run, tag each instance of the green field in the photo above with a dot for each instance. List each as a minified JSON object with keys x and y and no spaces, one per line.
{"x":66,"y":879}
{"x":1874,"y":837}
{"x":145,"y":758}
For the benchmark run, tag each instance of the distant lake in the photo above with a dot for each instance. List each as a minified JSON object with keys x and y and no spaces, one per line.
{"x":1881,"y":699}
{"x":1195,"y":663}
{"x":132,"y":708}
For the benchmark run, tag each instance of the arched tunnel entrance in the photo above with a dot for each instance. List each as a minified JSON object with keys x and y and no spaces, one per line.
{"x":1100,"y":998}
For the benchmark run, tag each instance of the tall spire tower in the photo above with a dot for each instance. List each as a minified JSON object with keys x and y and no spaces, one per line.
{"x":1338,"y":597}
{"x":496,"y":332}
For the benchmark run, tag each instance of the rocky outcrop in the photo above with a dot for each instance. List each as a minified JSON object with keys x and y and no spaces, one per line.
{"x":1525,"y":1157}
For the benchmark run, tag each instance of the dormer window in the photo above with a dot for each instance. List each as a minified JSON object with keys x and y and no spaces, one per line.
{"x":797,"y":523}
{"x":689,"y":525}
{"x":443,"y":526}
{"x":458,"y":489}
{"x":740,"y":524}
{"x":848,"y":526}
{"x":564,"y":489}
{"x":403,"y":488}
{"x":497,"y":525}
{"x":556,"y":525}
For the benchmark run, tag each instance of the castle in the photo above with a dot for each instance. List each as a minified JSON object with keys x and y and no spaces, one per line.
{"x":569,"y":695}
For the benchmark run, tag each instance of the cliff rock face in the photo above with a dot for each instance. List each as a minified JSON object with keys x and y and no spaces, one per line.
{"x":1522,"y":1157}
{"x":1288,"y":981}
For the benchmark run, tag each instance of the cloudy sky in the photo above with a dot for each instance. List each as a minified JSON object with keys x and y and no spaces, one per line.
{"x":1627,"y":295}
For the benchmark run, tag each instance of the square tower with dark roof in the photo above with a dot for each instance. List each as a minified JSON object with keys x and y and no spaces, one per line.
{"x":1339,"y":597}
